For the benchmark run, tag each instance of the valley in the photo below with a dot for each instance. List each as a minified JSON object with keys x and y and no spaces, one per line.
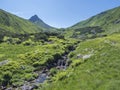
{"x":36,"y":56}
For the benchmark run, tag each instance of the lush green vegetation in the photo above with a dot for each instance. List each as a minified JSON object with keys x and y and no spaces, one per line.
{"x":108,"y":21}
{"x":85,"y":33}
{"x":82,"y":57}
{"x":14,"y":24}
{"x":95,"y":65}
{"x":19,"y":62}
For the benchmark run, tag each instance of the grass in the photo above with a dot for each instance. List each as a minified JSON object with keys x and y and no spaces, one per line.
{"x":95,"y":63}
{"x":23,"y":61}
{"x":12,"y":51}
{"x":98,"y":72}
{"x":14,"y":24}
{"x":107,"y":20}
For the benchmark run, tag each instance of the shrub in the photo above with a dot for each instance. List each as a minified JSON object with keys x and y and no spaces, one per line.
{"x":17,"y":82}
{"x":57,"y":56}
{"x":53,"y":71}
{"x":7,"y":76}
{"x":61,"y":75}
{"x":29,"y":77}
{"x":7,"y":39}
{"x":28,"y":42}
{"x":71,"y":54}
{"x":76,"y":63}
{"x":36,"y":64}
{"x":16,"y":41}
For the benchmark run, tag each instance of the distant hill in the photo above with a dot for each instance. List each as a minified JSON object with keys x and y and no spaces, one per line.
{"x":108,"y":20}
{"x":15,"y":24}
{"x":36,"y":20}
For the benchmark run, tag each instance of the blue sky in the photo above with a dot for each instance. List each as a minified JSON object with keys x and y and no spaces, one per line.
{"x":58,"y":13}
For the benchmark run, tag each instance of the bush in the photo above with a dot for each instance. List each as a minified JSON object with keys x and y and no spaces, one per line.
{"x":76,"y":63}
{"x":53,"y":71}
{"x":7,"y":39}
{"x":17,"y":82}
{"x":36,"y":64}
{"x":29,"y":77}
{"x":57,"y":56}
{"x":28,"y":42}
{"x":7,"y":76}
{"x":71,"y":54}
{"x":16,"y":41}
{"x":61,"y":76}
{"x":11,"y":40}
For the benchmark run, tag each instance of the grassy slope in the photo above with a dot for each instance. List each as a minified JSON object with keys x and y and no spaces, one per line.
{"x":108,"y":20}
{"x":22,"y":60}
{"x":15,"y":24}
{"x":12,"y":51}
{"x":43,"y":25}
{"x":99,"y":72}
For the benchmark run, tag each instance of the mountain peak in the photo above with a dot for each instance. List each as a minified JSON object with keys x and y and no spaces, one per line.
{"x":35,"y":18}
{"x":17,"y":24}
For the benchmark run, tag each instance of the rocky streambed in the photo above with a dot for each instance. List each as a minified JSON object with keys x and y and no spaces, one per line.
{"x":61,"y":64}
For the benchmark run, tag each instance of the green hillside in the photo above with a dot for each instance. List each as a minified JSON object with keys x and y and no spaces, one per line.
{"x":95,"y":61}
{"x":108,"y":21}
{"x":95,"y":66}
{"x":82,"y":57}
{"x":15,"y":24}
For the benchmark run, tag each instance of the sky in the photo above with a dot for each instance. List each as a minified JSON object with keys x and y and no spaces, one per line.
{"x":58,"y":13}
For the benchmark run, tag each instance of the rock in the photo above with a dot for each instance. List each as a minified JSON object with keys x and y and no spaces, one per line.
{"x":117,"y":21}
{"x":87,"y":56}
{"x":10,"y":88}
{"x":3,"y":88}
{"x":42,"y":77}
{"x":4,"y":62}
{"x":14,"y":86}
{"x":79,"y":56}
{"x":34,"y":87}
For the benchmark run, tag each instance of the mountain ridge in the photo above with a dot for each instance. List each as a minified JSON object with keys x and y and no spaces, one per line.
{"x":15,"y":24}
{"x":108,"y":20}
{"x":36,"y":20}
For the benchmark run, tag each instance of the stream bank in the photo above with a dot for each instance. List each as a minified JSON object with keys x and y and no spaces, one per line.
{"x":60,"y":63}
